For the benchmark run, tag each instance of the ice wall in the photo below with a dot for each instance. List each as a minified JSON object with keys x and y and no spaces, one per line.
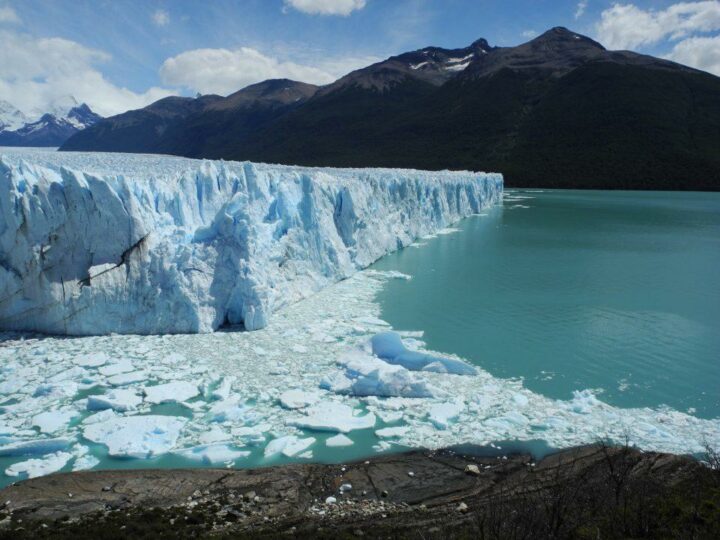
{"x":140,"y":244}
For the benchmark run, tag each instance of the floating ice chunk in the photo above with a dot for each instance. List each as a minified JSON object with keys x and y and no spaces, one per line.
{"x":95,"y":359}
{"x":229,"y":410}
{"x":339,"y":440}
{"x":101,"y":416}
{"x":367,"y":375}
{"x":288,"y":445}
{"x":117,"y":399}
{"x":333,"y":417}
{"x":176,"y":391}
{"x":214,"y":453}
{"x":53,"y":421}
{"x":337,"y":382}
{"x":583,"y":402}
{"x":120,"y":366}
{"x":39,"y":467}
{"x":136,"y":436}
{"x":223,"y":389}
{"x":123,"y":379}
{"x":296,"y":446}
{"x":372,"y":321}
{"x":34,"y":447}
{"x":389,"y":347}
{"x":215,"y":434}
{"x":390,"y":432}
{"x":297,"y":399}
{"x":520,"y":400}
{"x":442,"y":414}
{"x":390,"y":417}
{"x":508,"y":422}
{"x":86,"y":462}
{"x":75,"y":373}
{"x":62,"y":389}
{"x":252,"y":436}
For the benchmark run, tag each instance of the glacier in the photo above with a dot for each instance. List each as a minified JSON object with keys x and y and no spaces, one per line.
{"x":93,"y":244}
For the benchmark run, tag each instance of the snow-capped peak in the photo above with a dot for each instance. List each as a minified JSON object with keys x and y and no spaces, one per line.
{"x":60,"y":108}
{"x":11,"y":118}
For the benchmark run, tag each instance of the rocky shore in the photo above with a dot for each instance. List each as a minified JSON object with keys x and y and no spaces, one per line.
{"x":589,"y":492}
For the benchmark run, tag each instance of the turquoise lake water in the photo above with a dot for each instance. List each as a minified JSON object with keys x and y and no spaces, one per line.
{"x":618,"y":291}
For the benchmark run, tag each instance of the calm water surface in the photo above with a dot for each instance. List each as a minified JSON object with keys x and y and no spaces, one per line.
{"x":618,"y":291}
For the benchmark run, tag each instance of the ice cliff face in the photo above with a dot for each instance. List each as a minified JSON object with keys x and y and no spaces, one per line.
{"x":94,"y":244}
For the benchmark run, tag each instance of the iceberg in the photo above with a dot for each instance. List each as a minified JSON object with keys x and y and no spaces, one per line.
{"x":39,"y":467}
{"x":175,"y":391}
{"x":389,"y":347}
{"x":93,"y":244}
{"x":336,"y":417}
{"x":118,"y":400}
{"x":136,"y":436}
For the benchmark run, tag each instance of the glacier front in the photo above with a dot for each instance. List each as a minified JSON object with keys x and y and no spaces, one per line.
{"x":93,"y":244}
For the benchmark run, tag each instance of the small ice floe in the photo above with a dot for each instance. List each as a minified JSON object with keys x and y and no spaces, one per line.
{"x":339,"y":440}
{"x":136,"y":436}
{"x":172,"y":392}
{"x":442,"y":414}
{"x":333,"y":417}
{"x":123,"y":379}
{"x":40,"y":466}
{"x":53,"y":421}
{"x":120,"y":366}
{"x":288,"y":445}
{"x":297,"y":399}
{"x":252,"y":436}
{"x":448,"y":230}
{"x":213,"y":454}
{"x":229,"y":410}
{"x":389,"y":347}
{"x":223,"y":389}
{"x":215,"y":434}
{"x":117,"y":399}
{"x":83,"y":459}
{"x":94,"y":359}
{"x":367,"y":375}
{"x":34,"y":447}
{"x":391,"y":432}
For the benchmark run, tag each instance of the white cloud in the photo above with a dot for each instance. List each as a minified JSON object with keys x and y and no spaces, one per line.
{"x":8,"y":15}
{"x":581,"y":7}
{"x":625,"y":26}
{"x":326,"y":7}
{"x":36,"y":72}
{"x":698,"y":52}
{"x":161,"y":17}
{"x":529,"y":34}
{"x":224,"y":71}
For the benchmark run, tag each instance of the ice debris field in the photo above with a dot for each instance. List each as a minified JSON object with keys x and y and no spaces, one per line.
{"x":327,"y":379}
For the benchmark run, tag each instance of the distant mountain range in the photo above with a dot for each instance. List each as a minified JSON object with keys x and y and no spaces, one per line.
{"x":558,"y":111}
{"x":53,"y":127}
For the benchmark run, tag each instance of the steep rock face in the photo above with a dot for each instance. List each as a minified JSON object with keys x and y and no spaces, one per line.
{"x":167,"y":245}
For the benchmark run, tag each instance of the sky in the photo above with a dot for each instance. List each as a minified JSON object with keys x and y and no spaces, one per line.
{"x":117,"y":55}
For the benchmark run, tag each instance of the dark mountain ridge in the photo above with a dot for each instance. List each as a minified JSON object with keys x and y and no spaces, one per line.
{"x":558,"y":111}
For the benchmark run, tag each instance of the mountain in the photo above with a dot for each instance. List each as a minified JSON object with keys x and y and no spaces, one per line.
{"x":52,"y":128}
{"x":558,"y":111}
{"x":11,"y":118}
{"x":204,"y":126}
